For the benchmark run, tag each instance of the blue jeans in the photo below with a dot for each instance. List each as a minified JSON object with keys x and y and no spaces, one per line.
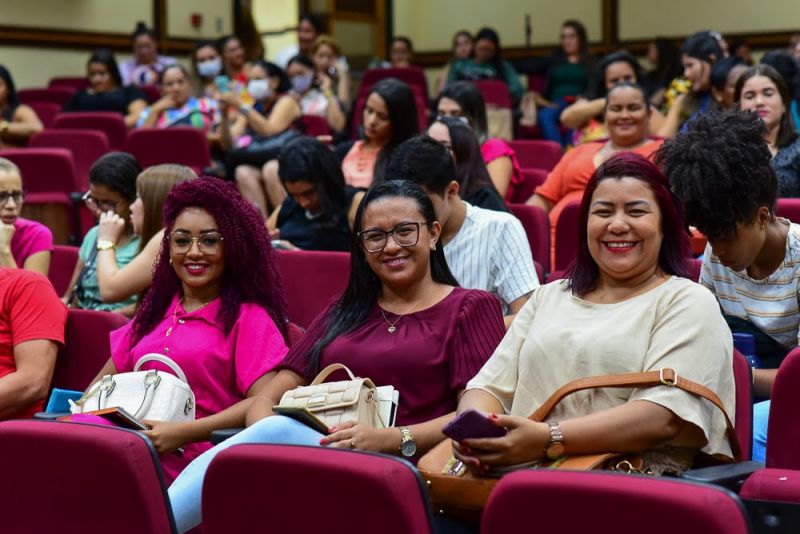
{"x":185,"y":493}
{"x":550,"y":123}
{"x":760,"y":420}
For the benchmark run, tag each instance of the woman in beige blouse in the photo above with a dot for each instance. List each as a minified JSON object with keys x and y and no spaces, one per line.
{"x":624,"y":309}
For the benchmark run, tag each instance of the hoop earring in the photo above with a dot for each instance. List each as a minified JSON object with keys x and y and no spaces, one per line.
{"x":170,"y":261}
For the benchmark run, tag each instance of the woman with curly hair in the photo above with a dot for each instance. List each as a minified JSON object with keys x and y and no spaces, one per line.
{"x":219,"y":318}
{"x":721,"y":167}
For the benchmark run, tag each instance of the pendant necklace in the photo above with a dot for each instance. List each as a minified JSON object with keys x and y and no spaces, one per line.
{"x":391,"y":324}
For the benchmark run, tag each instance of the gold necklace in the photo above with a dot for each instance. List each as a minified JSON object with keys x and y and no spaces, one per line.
{"x":392,"y":326}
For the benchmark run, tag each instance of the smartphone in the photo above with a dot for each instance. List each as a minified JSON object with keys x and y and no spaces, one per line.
{"x":472,"y":424}
{"x":304,"y":416}
{"x":223,"y":83}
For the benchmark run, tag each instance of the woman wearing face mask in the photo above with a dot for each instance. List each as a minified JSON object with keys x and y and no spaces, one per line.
{"x":312,"y":99}
{"x":206,"y":65}
{"x":699,"y":53}
{"x":763,"y":91}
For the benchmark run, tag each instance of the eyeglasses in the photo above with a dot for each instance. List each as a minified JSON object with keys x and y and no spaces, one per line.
{"x":95,"y":204}
{"x":404,"y":234}
{"x":5,"y":196}
{"x":208,"y":244}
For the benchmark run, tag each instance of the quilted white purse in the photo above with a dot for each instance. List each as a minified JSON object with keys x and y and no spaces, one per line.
{"x":336,"y":402}
{"x":152,"y":394}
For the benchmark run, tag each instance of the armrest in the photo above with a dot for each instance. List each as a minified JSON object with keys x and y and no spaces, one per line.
{"x":49,"y":416}
{"x":730,"y":476}
{"x":218,"y":436}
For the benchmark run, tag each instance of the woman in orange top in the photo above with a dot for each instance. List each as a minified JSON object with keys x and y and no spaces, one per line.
{"x":626,"y":116}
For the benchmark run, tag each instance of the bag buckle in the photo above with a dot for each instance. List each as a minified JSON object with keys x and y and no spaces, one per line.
{"x":188,"y":406}
{"x":665,"y":380}
{"x":107,"y":384}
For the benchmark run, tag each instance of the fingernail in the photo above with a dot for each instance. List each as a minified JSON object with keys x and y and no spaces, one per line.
{"x":332,"y":429}
{"x":323,"y":441}
{"x":493,"y":416}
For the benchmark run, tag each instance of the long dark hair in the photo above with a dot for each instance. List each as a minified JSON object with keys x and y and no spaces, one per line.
{"x":251,"y":271}
{"x":600,"y":89}
{"x":307,"y":160}
{"x":105,"y":57}
{"x":497,"y":59}
{"x":471,"y":171}
{"x":12,"y":101}
{"x":364,"y":286}
{"x":786,"y":131}
{"x":668,"y":65}
{"x":583,"y":272}
{"x":470,"y":100}
{"x":402,"y":107}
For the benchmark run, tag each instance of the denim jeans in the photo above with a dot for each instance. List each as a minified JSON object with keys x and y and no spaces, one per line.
{"x":760,"y":420}
{"x":185,"y":493}
{"x":550,"y":123}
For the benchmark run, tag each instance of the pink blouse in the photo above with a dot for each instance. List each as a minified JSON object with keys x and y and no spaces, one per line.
{"x":495,"y":148}
{"x":30,"y":237}
{"x":359,"y":165}
{"x":219,"y":369}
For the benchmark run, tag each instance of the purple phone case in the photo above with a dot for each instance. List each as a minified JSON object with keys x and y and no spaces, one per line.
{"x":472,"y":424}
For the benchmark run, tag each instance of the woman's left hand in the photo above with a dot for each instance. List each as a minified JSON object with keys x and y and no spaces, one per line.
{"x":110,"y":227}
{"x":525,"y":442}
{"x":353,"y":435}
{"x":167,"y":437}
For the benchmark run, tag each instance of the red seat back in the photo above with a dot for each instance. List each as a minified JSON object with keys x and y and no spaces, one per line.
{"x":377,"y":491}
{"x":55,"y":95}
{"x":567,"y":235}
{"x":537,"y":227}
{"x":86,"y":347}
{"x":532,"y":178}
{"x":592,"y":501}
{"x":86,"y":147}
{"x":184,"y":146}
{"x":537,"y":154}
{"x":311,"y":279}
{"x":743,"y":422}
{"x":111,"y":123}
{"x":62,"y":264}
{"x":413,"y":76}
{"x":784,"y":417}
{"x":314,"y":125}
{"x":46,"y":111}
{"x":695,"y":268}
{"x":75,"y":83}
{"x":44,"y":463}
{"x":151,"y":92}
{"x":789,"y":208}
{"x":495,"y":93}
{"x":48,"y":173}
{"x":774,"y":485}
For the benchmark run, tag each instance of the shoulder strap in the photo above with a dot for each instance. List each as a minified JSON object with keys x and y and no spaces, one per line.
{"x":665,"y":377}
{"x":166,"y":360}
{"x":325,"y":373}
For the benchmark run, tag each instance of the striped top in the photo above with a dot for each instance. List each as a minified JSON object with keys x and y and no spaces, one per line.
{"x":491,"y":252}
{"x":771,"y":304}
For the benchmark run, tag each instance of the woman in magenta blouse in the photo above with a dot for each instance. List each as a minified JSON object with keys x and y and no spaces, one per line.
{"x":402,"y":321}
{"x":222,"y":321}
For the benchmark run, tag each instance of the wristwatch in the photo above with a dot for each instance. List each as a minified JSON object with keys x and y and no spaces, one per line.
{"x":408,"y":447}
{"x":555,"y":449}
{"x":105,"y":244}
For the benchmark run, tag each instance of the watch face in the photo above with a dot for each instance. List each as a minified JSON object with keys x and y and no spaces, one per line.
{"x":555,"y":451}
{"x":408,"y":448}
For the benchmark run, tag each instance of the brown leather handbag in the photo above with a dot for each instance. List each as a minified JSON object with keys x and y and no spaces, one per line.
{"x":455,"y":492}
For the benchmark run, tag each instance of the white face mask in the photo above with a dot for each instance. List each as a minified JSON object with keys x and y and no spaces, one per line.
{"x":259,"y":89}
{"x":209,"y":68}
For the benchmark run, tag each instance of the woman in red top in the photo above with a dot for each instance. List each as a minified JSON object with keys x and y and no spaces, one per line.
{"x":626,"y":116}
{"x":402,"y":321}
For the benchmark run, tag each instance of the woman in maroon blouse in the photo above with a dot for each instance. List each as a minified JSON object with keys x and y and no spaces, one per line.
{"x":402,"y":321}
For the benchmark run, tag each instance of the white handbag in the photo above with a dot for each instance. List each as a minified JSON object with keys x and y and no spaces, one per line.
{"x":152,"y":394}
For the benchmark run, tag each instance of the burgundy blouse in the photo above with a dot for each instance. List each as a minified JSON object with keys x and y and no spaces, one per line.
{"x":431,"y":355}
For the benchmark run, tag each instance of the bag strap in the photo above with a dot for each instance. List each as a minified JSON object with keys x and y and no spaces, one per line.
{"x":71,"y":301}
{"x":664,"y":377}
{"x":325,"y":373}
{"x":169,"y":362}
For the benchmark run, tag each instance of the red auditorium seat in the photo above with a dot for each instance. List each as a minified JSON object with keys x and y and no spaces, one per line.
{"x":311,"y":279}
{"x":743,"y":421}
{"x":495,"y":93}
{"x":62,"y":265}
{"x":532,"y":179}
{"x":789,"y":208}
{"x":111,"y":123}
{"x":413,"y":76}
{"x":72,"y":478}
{"x":49,"y":176}
{"x":75,"y":83}
{"x":245,"y":490}
{"x":783,"y":444}
{"x":86,"y":147}
{"x":567,"y":235}
{"x":537,"y":228}
{"x":537,"y":154}
{"x":86,"y":347}
{"x":46,"y":111}
{"x":55,"y":95}
{"x":314,"y":125}
{"x":545,"y":500}
{"x":184,"y":146}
